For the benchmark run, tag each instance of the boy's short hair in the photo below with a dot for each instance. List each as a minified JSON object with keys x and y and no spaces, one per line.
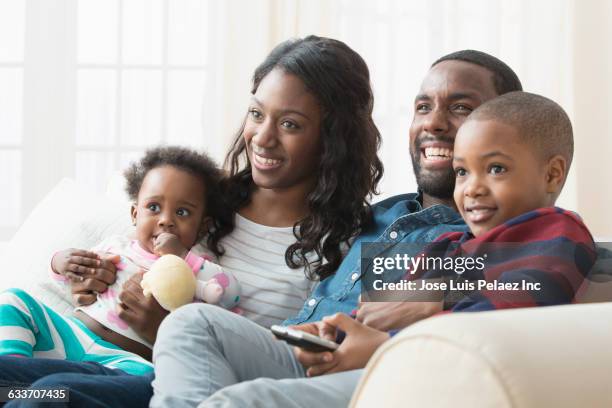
{"x":504,"y":78}
{"x":198,"y":164}
{"x":539,"y":121}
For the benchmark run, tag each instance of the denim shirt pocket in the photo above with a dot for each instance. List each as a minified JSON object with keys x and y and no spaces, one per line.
{"x":301,"y":317}
{"x":348,"y":284}
{"x":352,"y":283}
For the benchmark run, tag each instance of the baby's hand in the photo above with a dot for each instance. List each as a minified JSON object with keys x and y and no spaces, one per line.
{"x":90,"y":273}
{"x":74,"y":263}
{"x":167,"y":243}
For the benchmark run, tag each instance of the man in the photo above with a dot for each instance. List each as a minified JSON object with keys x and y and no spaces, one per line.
{"x":455,"y":85}
{"x":200,"y":349}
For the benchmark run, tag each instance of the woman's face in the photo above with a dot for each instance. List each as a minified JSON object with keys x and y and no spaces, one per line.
{"x":283,"y":133}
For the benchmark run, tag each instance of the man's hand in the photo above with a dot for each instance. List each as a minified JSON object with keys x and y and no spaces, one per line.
{"x":142,"y":313}
{"x":90,"y":273}
{"x":167,"y":243}
{"x":358,"y":346}
{"x":385,"y":316}
{"x":310,"y":358}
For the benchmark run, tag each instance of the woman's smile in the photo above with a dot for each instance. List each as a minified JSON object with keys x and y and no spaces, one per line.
{"x":263,"y":160}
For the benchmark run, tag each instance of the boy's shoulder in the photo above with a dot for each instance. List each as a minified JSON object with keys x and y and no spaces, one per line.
{"x":542,"y":224}
{"x":554,"y":215}
{"x":537,"y":225}
{"x":549,"y":223}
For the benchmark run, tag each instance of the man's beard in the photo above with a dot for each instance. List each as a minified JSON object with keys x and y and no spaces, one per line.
{"x":437,"y":183}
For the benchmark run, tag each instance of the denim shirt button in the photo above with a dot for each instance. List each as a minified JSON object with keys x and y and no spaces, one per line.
{"x":312,"y":302}
{"x":393,"y":234}
{"x":354,"y":276}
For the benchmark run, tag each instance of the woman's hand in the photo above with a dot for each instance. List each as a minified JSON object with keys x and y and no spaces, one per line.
{"x":142,"y":313}
{"x":167,"y":243}
{"x":311,"y":358}
{"x":358,"y":346}
{"x":90,"y":273}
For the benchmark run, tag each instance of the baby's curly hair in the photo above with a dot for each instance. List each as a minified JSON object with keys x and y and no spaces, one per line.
{"x":198,"y":164}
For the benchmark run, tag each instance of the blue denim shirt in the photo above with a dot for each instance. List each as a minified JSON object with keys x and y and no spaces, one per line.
{"x":397,"y":219}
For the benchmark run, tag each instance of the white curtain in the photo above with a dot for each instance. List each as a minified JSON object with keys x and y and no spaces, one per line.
{"x":87,"y":85}
{"x":559,"y":48}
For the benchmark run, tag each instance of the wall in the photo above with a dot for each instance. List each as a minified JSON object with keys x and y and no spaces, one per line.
{"x":593,"y":113}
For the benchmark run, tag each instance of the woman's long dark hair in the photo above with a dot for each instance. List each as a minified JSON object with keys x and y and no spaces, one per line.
{"x":349,"y":170}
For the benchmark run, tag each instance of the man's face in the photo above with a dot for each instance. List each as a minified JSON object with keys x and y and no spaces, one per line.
{"x":449,"y":93}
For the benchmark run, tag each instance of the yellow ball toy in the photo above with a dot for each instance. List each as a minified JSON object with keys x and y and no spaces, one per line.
{"x":171,"y":281}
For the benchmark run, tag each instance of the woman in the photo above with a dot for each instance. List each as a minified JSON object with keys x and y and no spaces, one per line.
{"x":301,"y":170}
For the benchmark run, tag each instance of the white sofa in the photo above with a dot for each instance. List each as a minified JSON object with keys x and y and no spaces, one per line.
{"x":69,"y":216}
{"x":525,"y":358}
{"x":546,"y":357}
{"x":557,"y":356}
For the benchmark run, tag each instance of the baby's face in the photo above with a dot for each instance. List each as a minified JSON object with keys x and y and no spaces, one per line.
{"x":170,"y":200}
{"x":498,"y":176}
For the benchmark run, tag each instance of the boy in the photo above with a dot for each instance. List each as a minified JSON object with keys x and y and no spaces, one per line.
{"x":511,"y":159}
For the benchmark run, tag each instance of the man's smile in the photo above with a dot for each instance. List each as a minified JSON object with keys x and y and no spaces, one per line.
{"x":436,"y":155}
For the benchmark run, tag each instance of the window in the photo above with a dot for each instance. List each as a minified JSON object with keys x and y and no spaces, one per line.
{"x":86,"y":86}
{"x":12,"y":32}
{"x":141,"y":80}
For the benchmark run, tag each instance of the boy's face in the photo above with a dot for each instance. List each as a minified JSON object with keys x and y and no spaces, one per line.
{"x":498,"y":176}
{"x":169,"y":200}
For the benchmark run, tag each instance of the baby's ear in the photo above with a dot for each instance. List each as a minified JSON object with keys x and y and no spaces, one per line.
{"x":133,"y":213}
{"x":556,"y":173}
{"x":205,"y":226}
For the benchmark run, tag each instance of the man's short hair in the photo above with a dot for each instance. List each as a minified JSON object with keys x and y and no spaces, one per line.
{"x":504,"y":78}
{"x":538,"y":120}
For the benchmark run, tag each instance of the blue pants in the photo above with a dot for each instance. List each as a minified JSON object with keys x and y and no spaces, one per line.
{"x":89,"y":384}
{"x":31,"y":329}
{"x":206,"y":357}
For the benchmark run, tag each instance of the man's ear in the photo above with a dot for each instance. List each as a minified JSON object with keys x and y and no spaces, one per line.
{"x":556,"y":173}
{"x":133,"y":213}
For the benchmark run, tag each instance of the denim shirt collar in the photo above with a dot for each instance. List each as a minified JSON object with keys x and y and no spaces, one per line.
{"x":436,"y":214}
{"x":396,"y":219}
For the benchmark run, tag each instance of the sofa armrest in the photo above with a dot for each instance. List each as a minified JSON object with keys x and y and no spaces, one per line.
{"x":537,"y":357}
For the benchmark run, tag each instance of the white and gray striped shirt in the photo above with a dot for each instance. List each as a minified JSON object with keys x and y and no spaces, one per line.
{"x":255,"y":254}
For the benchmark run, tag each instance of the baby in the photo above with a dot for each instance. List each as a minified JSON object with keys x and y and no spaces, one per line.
{"x":174,"y":192}
{"x":511,"y":158}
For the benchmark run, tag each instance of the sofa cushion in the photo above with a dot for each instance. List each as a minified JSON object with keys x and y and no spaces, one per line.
{"x":70,"y":216}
